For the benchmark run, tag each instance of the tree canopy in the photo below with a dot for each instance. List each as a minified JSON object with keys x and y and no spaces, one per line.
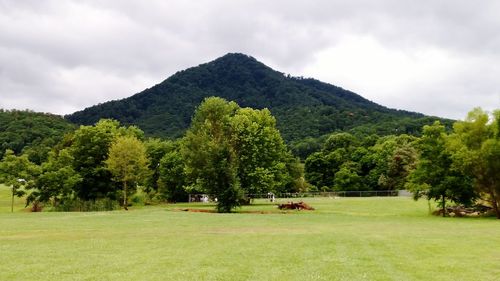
{"x":231,"y":151}
{"x":127,"y":162}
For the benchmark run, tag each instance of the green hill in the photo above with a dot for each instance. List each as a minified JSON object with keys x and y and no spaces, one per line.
{"x":22,"y":129}
{"x":302,"y":107}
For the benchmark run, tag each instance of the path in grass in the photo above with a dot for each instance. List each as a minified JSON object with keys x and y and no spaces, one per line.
{"x":344,"y":239}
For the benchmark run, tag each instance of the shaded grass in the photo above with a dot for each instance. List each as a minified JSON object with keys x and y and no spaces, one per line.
{"x":344,"y":239}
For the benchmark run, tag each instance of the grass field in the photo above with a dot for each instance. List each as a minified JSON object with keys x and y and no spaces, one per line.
{"x":344,"y":239}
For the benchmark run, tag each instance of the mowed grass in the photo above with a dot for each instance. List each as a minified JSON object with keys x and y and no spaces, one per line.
{"x":6,"y":200}
{"x":344,"y":239}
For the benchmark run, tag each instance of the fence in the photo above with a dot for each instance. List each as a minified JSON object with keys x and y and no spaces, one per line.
{"x":363,"y":193}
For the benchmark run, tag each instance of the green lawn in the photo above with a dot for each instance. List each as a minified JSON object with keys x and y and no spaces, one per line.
{"x":5,"y":200}
{"x":344,"y":239}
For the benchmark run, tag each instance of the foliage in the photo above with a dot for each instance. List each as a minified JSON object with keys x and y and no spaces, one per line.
{"x":302,"y":107}
{"x":435,"y":175}
{"x":172,"y":177}
{"x":30,"y":132}
{"x":57,"y":180}
{"x":17,"y":172}
{"x":127,"y":162}
{"x":476,"y":147}
{"x":89,"y":148}
{"x":347,"y":162}
{"x":209,"y":157}
{"x":78,"y":205}
{"x":393,"y":158}
{"x":261,"y":154}
{"x":156,"y":149}
{"x":231,"y":151}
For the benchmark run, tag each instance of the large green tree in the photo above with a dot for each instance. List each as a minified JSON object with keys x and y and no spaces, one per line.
{"x":260,"y":151}
{"x":434,"y":176}
{"x":57,"y":180}
{"x":128,"y":163}
{"x":476,"y":147}
{"x":209,"y":157}
{"x":231,"y":151}
{"x":89,"y":148}
{"x":17,"y":172}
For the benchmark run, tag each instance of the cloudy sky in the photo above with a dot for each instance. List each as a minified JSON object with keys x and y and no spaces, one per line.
{"x":437,"y":57}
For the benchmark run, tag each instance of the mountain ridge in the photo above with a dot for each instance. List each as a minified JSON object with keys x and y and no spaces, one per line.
{"x":303,"y":107}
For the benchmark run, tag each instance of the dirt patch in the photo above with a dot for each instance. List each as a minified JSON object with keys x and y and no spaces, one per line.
{"x":237,"y":212}
{"x":195,"y":210}
{"x":295,"y":206}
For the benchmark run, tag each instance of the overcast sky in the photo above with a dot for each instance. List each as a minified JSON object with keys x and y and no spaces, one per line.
{"x":436,"y":57}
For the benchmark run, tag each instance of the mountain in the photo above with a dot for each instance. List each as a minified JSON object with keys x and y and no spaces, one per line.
{"x":302,"y":107}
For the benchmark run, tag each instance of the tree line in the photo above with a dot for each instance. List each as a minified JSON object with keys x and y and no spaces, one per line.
{"x":231,"y":152}
{"x":461,"y":165}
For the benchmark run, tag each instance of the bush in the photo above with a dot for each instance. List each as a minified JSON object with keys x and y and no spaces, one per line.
{"x":77,"y":205}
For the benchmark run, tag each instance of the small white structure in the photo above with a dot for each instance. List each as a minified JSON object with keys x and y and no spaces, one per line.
{"x":271,"y":197}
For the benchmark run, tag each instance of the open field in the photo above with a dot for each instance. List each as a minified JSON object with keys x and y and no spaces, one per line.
{"x":344,"y":239}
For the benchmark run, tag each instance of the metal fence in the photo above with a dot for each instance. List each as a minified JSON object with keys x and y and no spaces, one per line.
{"x":364,"y":193}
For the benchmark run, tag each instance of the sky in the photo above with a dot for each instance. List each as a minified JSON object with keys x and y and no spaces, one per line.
{"x":440,"y":58}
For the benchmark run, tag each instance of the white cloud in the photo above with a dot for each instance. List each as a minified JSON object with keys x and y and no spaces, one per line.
{"x":436,"y":57}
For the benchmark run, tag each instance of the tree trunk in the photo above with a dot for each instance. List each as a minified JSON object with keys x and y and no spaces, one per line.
{"x":125,"y":203}
{"x":444,"y":206}
{"x":12,"y":201}
{"x":494,"y":203}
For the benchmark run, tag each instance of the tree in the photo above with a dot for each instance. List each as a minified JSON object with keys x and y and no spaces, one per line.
{"x":339,"y":140}
{"x":476,"y":147}
{"x":434,"y":175}
{"x":321,"y":167}
{"x":210,"y":160}
{"x":156,"y":149}
{"x":127,"y":162}
{"x":17,"y":172}
{"x":89,"y":148}
{"x":260,"y":151}
{"x":57,"y":179}
{"x":317,"y":170}
{"x":172,"y":177}
{"x":347,"y":178}
{"x":231,"y":151}
{"x":394,"y":157}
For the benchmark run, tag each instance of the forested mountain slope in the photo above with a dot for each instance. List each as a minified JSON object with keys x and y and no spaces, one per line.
{"x":302,"y":107}
{"x":22,"y":129}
